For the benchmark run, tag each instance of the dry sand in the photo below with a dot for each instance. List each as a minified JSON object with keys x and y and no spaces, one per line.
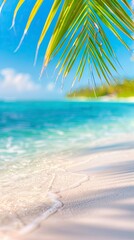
{"x":97,"y":200}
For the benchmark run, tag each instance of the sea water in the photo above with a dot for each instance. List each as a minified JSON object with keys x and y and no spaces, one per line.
{"x":36,"y":138}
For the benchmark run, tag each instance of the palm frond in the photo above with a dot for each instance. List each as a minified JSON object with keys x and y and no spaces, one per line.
{"x":80,"y":33}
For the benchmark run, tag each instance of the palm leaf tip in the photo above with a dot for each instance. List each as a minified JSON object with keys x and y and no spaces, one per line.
{"x":32,"y":15}
{"x":2,"y":5}
{"x":20,"y":3}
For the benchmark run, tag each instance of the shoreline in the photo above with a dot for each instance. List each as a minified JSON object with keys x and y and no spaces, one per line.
{"x":89,"y":202}
{"x":102,"y":99}
{"x":72,"y":99}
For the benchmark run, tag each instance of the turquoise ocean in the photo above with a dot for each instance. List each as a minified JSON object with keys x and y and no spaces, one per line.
{"x":29,"y":128}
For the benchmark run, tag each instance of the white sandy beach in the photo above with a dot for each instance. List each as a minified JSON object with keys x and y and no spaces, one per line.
{"x":95,"y":199}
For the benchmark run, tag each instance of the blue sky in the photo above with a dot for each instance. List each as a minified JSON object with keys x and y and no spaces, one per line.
{"x":18,"y":77}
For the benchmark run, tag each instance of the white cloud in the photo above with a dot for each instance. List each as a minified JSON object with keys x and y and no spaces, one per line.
{"x":50,"y":87}
{"x":10,"y":80}
{"x":15,"y":85}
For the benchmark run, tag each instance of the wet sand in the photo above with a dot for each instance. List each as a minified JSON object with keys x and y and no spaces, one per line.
{"x":92,"y":197}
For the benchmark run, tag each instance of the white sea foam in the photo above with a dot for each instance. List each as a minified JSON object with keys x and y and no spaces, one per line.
{"x":55,"y":198}
{"x":57,"y":204}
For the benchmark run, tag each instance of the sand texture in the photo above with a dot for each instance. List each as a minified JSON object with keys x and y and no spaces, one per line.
{"x":91,"y":197}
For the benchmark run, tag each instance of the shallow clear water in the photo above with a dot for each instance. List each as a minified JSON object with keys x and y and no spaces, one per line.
{"x":35,"y":137}
{"x":28,"y":128}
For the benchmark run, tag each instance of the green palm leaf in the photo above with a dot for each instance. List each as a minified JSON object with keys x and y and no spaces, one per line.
{"x":80,"y":33}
